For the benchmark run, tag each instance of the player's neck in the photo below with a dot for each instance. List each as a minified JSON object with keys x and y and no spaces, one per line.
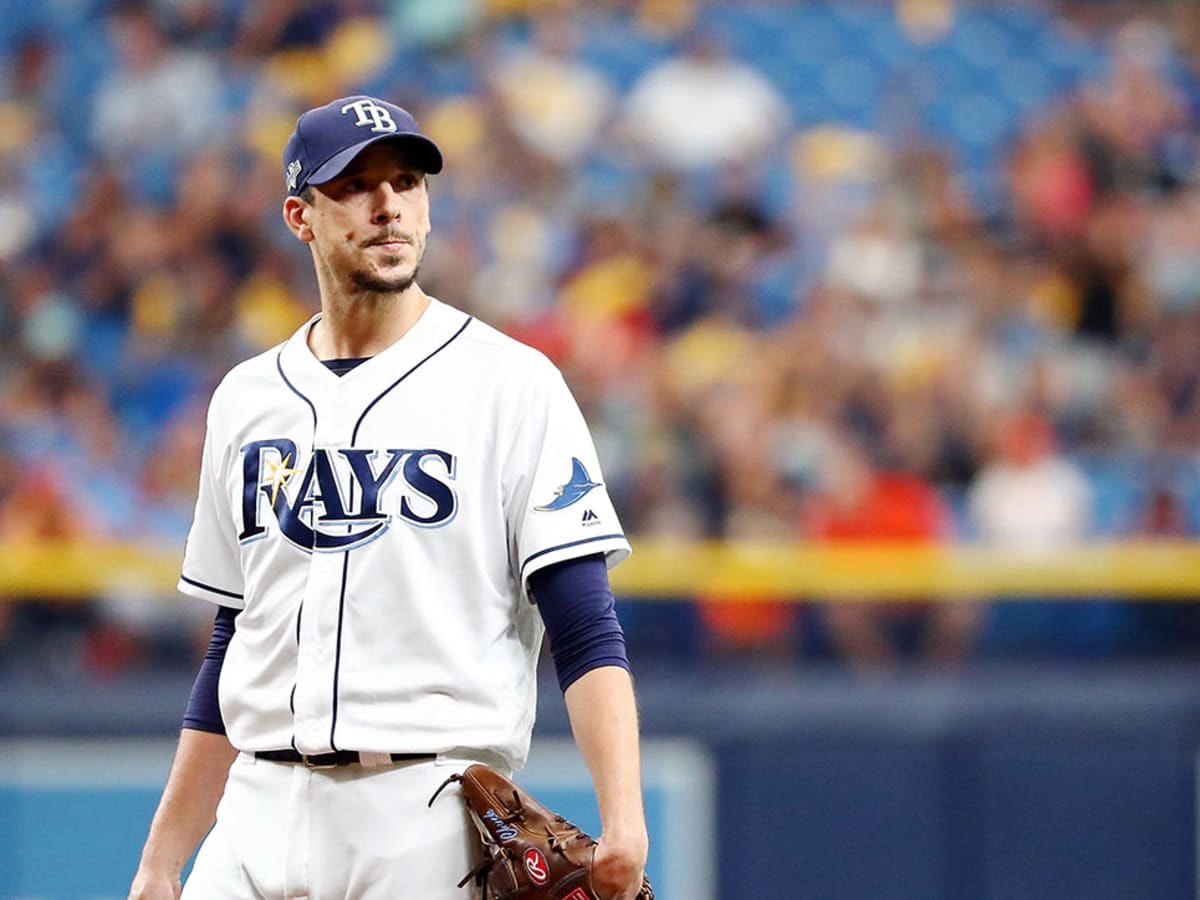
{"x":365,"y":325}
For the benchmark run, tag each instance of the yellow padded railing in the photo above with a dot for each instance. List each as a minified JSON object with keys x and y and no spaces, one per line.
{"x":749,"y":571}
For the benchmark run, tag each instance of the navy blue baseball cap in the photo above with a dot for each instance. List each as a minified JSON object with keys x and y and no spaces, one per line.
{"x":328,"y":137}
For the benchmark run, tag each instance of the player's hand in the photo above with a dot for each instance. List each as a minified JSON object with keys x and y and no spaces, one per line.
{"x":155,"y":886}
{"x":618,"y":864}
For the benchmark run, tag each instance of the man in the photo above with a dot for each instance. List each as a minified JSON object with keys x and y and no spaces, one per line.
{"x":384,"y":499}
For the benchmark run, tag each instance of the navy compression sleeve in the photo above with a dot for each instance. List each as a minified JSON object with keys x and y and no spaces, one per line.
{"x":577,"y":606}
{"x":204,"y":708}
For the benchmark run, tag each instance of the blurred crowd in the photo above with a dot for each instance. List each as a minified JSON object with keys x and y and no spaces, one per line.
{"x":819,"y":271}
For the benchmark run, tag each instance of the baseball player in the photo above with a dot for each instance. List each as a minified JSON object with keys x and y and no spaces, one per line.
{"x":395,"y":504}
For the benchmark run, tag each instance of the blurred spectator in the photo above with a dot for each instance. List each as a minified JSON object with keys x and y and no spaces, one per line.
{"x":434,"y":23}
{"x":1131,"y":115}
{"x":1053,"y":185}
{"x":723,"y":265}
{"x":1031,"y":499}
{"x":702,"y":108}
{"x":1172,"y":369}
{"x":755,"y":504}
{"x":1027,"y":496}
{"x":46,"y":637}
{"x":555,"y":103}
{"x":857,"y":501}
{"x":1170,"y":264}
{"x":273,"y":25}
{"x":160,"y":104}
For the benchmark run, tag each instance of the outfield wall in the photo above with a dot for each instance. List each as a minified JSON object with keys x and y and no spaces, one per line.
{"x":1016,"y":783}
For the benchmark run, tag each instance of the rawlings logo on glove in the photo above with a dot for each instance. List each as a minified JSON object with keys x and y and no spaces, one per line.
{"x":530,"y":853}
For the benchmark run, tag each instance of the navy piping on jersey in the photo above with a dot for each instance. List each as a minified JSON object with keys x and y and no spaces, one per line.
{"x":384,"y":393}
{"x":599,"y":537}
{"x":337,"y":659}
{"x":294,"y":389}
{"x":292,"y":695}
{"x":209,"y":587}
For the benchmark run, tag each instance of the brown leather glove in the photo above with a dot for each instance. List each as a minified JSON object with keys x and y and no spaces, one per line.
{"x":530,"y":853}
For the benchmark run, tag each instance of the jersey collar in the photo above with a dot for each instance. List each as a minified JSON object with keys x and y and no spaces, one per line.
{"x":310,"y":377}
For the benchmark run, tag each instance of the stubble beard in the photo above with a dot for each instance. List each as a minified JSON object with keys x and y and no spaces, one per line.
{"x":372,"y":284}
{"x":369,"y":283}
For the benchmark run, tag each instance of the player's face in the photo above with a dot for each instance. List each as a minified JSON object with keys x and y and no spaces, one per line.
{"x":370,"y":224}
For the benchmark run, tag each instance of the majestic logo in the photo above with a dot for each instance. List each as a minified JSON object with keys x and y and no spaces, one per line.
{"x":536,"y":866}
{"x":573,"y":491}
{"x":339,"y":500}
{"x":578,"y":894}
{"x":589,"y":518}
{"x":371,"y":113}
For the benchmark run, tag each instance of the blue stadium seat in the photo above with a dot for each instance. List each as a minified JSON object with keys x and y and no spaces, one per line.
{"x":620,"y":51}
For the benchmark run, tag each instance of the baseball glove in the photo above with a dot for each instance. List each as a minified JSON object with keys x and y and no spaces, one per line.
{"x":530,"y":853}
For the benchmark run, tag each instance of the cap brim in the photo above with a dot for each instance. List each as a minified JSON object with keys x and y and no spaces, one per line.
{"x":426,"y":154}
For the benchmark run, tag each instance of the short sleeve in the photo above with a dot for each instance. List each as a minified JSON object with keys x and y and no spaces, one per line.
{"x":558,"y":504}
{"x":212,"y":559}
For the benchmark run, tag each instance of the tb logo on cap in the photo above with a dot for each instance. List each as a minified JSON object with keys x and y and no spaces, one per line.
{"x":371,"y":113}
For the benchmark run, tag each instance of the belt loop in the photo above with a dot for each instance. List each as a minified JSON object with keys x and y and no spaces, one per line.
{"x":369,"y":760}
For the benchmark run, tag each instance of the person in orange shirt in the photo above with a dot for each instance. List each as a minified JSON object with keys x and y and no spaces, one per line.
{"x":862,"y":502}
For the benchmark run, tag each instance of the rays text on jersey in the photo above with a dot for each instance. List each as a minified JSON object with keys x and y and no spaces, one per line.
{"x":343,"y":498}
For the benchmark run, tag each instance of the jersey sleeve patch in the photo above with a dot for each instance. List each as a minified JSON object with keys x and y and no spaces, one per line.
{"x":574,"y":490}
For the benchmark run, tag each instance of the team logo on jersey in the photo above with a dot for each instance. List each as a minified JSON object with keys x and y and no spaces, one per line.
{"x":573,"y":491}
{"x":337,"y":501}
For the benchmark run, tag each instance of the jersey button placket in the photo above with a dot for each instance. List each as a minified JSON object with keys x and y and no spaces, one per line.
{"x":317,"y":657}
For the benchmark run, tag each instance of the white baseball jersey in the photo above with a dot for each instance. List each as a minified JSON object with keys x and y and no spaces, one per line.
{"x":378,"y":529}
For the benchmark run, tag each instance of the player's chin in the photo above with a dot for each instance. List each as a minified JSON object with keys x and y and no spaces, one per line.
{"x":394,"y":281}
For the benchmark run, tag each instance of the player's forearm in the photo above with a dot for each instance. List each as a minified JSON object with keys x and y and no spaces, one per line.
{"x":189,"y":801}
{"x":603,"y":715}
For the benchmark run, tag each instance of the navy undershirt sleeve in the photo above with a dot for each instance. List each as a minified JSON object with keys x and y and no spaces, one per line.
{"x":204,"y":708}
{"x":577,"y":606}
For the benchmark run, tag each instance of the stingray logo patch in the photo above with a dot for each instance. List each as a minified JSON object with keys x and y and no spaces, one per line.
{"x":573,"y":491}
{"x":536,"y":866}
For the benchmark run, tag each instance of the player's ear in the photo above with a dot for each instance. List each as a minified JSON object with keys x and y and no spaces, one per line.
{"x":295,"y":216}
